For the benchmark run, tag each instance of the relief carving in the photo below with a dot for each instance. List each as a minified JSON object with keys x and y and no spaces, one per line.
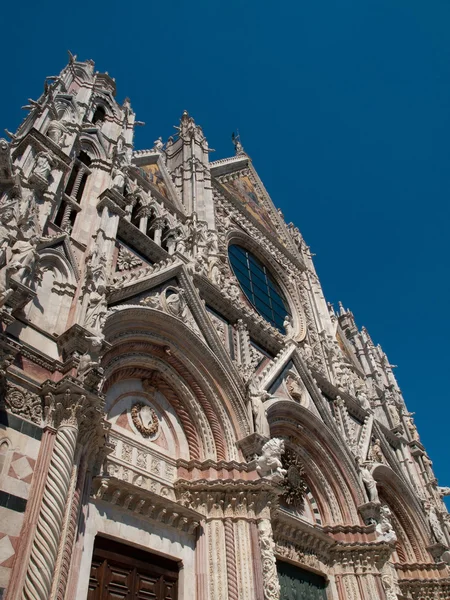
{"x":144,"y":419}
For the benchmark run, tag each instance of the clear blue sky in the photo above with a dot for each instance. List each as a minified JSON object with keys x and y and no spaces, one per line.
{"x":344,"y":108}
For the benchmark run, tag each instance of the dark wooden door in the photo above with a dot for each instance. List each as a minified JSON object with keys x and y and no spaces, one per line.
{"x":120,"y":572}
{"x":298,"y":584}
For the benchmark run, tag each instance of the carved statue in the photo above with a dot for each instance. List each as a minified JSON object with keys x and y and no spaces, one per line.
{"x":158,"y":145}
{"x":91,"y":358}
{"x":269,"y":464}
{"x":118,"y":184}
{"x":363,"y":399}
{"x":307,"y":351}
{"x":97,"y":306}
{"x":384,"y":528}
{"x":435,"y":525}
{"x":257,"y":398}
{"x":5,"y":288}
{"x":288,"y":325}
{"x":25,"y":260}
{"x":393,"y":413}
{"x":175,"y":303}
{"x":369,"y":481}
{"x":443,"y":491}
{"x":377,"y":452}
{"x":180,"y":241}
{"x":7,"y":232}
{"x":43,"y":165}
{"x":412,"y":428}
{"x":428,"y":464}
{"x":57,"y":131}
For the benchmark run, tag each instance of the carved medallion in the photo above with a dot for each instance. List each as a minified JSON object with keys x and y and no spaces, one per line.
{"x":144,"y":419}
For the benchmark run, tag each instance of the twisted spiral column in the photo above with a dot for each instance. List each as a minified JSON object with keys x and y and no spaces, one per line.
{"x":233,"y":592}
{"x":44,"y":552}
{"x":71,"y":528}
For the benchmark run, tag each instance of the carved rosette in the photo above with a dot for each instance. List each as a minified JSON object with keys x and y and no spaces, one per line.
{"x":294,"y":485}
{"x":269,"y":565}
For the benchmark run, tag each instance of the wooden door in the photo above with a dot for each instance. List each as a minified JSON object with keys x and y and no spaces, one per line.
{"x":298,"y":584}
{"x":120,"y":572}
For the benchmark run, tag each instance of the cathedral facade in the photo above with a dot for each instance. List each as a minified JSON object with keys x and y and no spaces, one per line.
{"x":183,"y":416}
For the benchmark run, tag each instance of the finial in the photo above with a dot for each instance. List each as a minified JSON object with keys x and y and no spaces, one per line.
{"x":342,"y":310}
{"x":236,"y":139}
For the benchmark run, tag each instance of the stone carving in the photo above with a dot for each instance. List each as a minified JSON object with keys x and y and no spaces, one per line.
{"x":288,"y":325}
{"x":443,"y":491}
{"x":57,"y":132}
{"x":43,"y":165}
{"x":384,"y":529}
{"x":412,"y":428}
{"x":126,"y":260}
{"x":393,"y":413}
{"x":90,"y":362}
{"x":158,"y":145}
{"x":307,"y":352}
{"x":269,"y":567}
{"x":294,"y":484}
{"x":368,"y":480}
{"x":296,"y":553}
{"x":144,"y":419}
{"x":389,"y":581}
{"x":269,"y":464}
{"x":96,"y":283}
{"x":260,"y":421}
{"x":236,"y":139}
{"x":435,"y":524}
{"x":377,"y":453}
{"x":296,"y":388}
{"x":174,"y":302}
{"x":6,"y":167}
{"x":119,"y":179}
{"x":23,"y":403}
{"x":25,"y":258}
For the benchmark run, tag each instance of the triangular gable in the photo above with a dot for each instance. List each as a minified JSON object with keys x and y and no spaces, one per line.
{"x":152,"y":168}
{"x":153,"y":290}
{"x":241,"y":182}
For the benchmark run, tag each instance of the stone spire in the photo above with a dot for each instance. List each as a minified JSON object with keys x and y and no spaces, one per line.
{"x":188,"y":161}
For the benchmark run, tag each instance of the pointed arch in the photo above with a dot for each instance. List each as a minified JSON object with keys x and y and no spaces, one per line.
{"x":56,"y":289}
{"x":408,"y":520}
{"x":330,"y":473}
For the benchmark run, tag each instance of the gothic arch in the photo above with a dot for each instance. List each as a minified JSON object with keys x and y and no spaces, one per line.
{"x":56,"y":289}
{"x":331,"y":477}
{"x":281,"y":274}
{"x":409,"y":524}
{"x":92,"y":146}
{"x":192,"y":371}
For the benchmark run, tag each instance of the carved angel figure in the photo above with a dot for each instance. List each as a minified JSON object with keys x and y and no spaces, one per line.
{"x":269,"y":464}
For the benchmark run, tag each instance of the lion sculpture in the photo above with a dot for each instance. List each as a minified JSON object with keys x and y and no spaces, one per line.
{"x":269,"y":464}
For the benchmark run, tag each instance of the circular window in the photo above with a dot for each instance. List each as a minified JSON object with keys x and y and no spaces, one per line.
{"x":259,"y":286}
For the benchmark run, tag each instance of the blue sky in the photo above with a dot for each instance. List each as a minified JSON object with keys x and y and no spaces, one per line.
{"x":344,"y":108}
